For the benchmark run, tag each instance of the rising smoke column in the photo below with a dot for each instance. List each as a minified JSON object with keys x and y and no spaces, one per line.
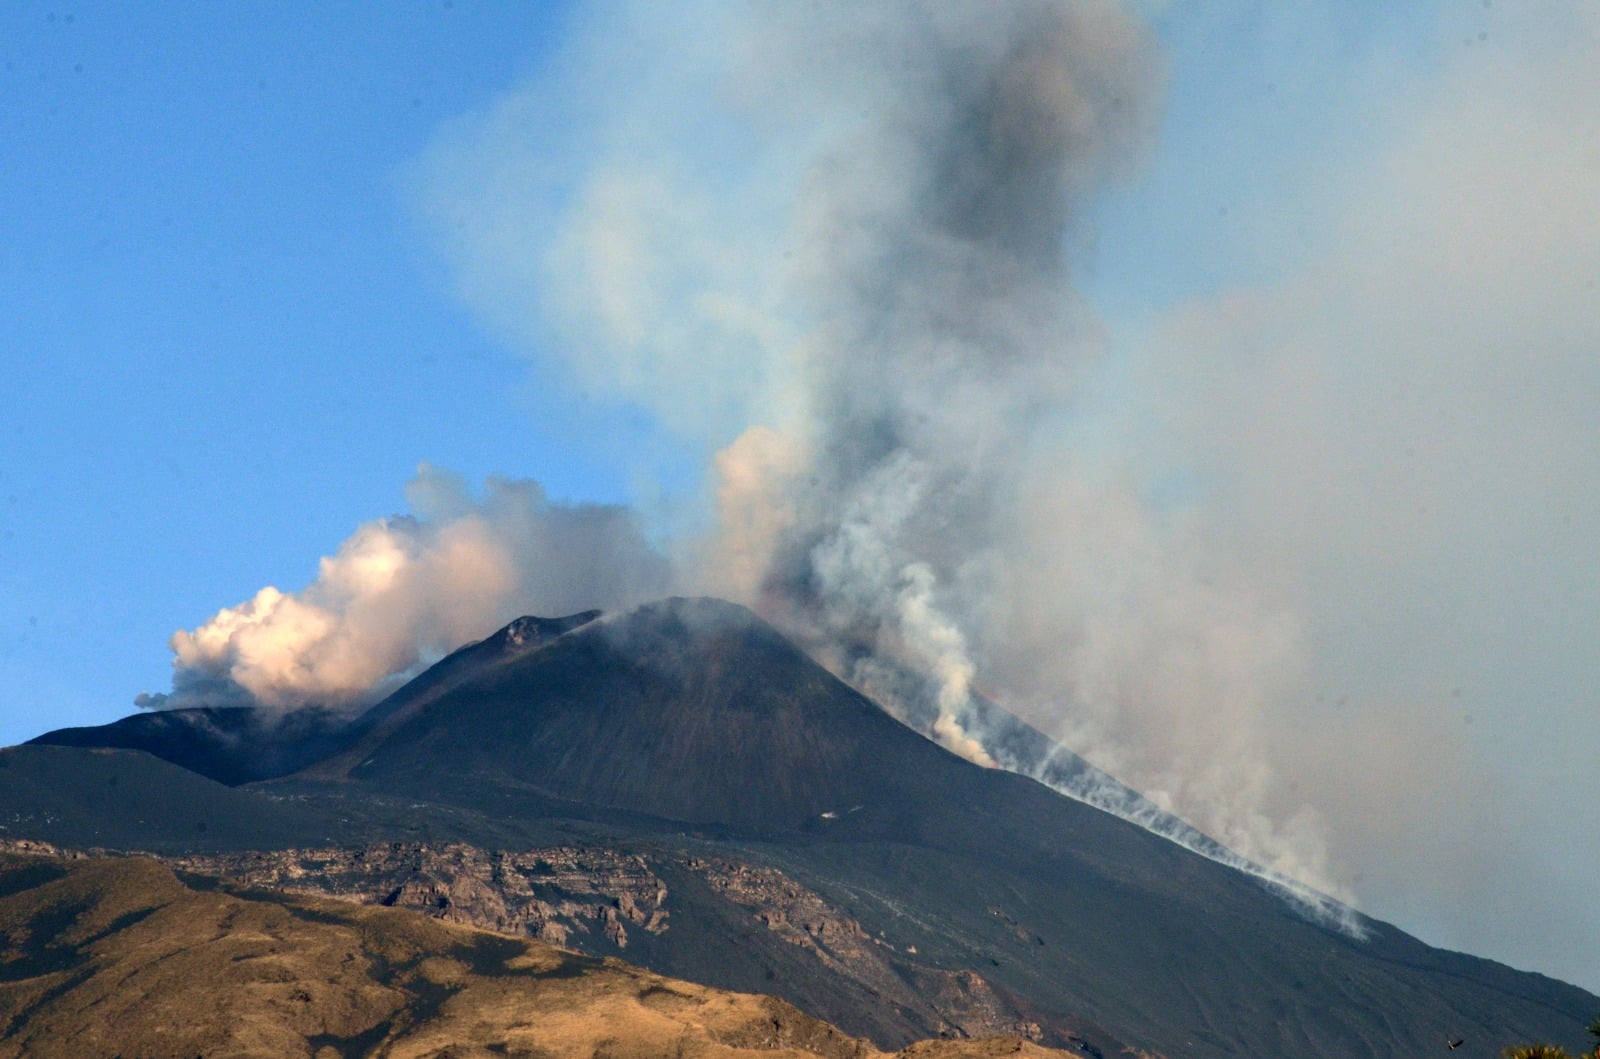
{"x":831,"y":242}
{"x":832,"y":245}
{"x":934,"y":241}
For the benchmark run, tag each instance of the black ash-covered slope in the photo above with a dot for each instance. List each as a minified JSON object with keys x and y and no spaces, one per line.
{"x":126,"y":799}
{"x":696,"y":712}
{"x":518,"y":638}
{"x":688,"y":710}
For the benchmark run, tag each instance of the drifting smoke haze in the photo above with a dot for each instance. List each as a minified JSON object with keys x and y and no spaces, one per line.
{"x":1267,"y":557}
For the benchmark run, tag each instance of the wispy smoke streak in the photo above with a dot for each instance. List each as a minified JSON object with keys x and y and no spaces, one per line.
{"x":1097,"y":789}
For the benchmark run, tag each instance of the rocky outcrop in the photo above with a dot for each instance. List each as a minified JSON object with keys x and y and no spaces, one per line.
{"x":962,"y":1002}
{"x":560,"y":895}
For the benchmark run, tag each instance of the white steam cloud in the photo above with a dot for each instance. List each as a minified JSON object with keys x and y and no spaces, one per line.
{"x":406,"y":590}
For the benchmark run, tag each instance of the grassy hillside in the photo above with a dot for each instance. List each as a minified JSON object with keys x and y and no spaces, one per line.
{"x":105,"y":957}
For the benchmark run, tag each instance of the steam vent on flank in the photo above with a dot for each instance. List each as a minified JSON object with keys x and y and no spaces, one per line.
{"x":682,"y":787}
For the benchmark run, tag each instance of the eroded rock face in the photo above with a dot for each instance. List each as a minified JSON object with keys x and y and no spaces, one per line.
{"x":560,"y":895}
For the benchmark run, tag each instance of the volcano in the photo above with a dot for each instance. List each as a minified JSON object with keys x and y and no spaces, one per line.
{"x":687,"y":710}
{"x":682,"y":785}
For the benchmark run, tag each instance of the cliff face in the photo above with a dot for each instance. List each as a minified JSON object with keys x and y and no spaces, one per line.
{"x":583,"y":899}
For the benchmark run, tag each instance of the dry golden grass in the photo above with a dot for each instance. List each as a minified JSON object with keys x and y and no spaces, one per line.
{"x":120,"y":957}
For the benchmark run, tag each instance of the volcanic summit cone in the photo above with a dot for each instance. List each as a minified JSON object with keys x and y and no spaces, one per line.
{"x":692,"y":710}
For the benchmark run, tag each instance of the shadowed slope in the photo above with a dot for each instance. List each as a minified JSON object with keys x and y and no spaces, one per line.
{"x":231,"y":745}
{"x":124,"y":799}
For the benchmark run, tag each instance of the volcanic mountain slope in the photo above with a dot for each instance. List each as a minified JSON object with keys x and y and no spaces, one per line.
{"x":104,"y":957}
{"x":691,"y":711}
{"x":126,"y":799}
{"x":232,"y":745}
{"x":811,"y":846}
{"x":239,"y":744}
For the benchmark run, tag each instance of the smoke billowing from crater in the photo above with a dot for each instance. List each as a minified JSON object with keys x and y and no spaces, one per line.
{"x":1254,"y":559}
{"x":941,"y":332}
{"x":833,"y":245}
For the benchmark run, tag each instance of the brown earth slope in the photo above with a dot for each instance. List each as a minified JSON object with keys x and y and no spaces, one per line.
{"x":108,"y":957}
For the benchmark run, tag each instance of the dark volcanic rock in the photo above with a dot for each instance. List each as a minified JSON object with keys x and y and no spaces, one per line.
{"x":692,"y":710}
{"x":605,"y":902}
{"x":120,"y":957}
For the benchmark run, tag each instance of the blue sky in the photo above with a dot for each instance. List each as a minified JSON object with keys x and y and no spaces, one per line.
{"x":1347,"y":365}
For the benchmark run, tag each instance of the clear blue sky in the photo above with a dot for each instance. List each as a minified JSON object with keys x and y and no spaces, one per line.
{"x":226,"y":340}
